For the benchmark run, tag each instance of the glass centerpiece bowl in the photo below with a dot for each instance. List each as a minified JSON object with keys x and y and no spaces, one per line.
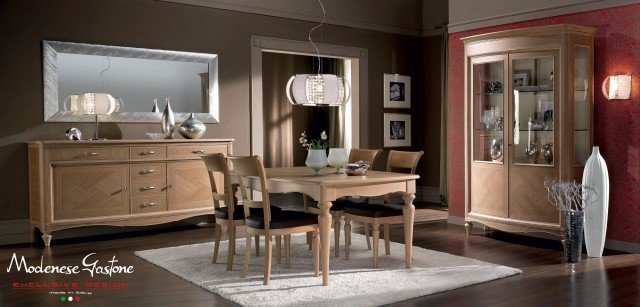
{"x":338,"y":158}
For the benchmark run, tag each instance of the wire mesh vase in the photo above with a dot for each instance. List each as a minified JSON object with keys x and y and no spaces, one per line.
{"x":573,"y":234}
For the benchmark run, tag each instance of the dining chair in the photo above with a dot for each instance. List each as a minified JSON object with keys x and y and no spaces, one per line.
{"x":381,"y":214}
{"x":337,"y":208}
{"x":270,"y":223}
{"x":218,"y":170}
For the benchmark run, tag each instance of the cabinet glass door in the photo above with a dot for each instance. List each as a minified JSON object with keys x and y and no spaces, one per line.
{"x":581,"y":104}
{"x":533,"y":110}
{"x":487,"y":94}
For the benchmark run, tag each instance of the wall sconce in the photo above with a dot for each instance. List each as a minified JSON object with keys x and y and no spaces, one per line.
{"x":617,"y":87}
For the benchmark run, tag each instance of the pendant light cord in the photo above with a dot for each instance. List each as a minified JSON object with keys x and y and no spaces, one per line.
{"x":324,"y":15}
{"x":102,"y":73}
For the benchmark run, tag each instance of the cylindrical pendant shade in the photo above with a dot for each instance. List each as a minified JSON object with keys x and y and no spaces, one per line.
{"x":312,"y":90}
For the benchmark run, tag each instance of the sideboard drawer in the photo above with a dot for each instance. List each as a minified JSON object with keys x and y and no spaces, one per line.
{"x":148,"y":187}
{"x":149,"y":152}
{"x":89,"y":153}
{"x":192,"y":151}
{"x":148,"y":171}
{"x":148,"y":204}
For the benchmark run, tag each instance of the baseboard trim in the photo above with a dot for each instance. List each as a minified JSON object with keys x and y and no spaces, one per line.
{"x":14,"y":231}
{"x":622,"y":246}
{"x":628,"y":247}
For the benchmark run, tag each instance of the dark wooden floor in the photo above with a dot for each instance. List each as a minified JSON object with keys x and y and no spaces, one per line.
{"x":611,"y":280}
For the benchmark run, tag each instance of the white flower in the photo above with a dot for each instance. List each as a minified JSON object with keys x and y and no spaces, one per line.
{"x":304,"y":134}
{"x":323,"y":135}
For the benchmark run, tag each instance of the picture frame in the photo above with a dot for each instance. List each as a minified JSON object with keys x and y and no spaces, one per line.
{"x":397,"y":130}
{"x":521,"y":77}
{"x":396,"y":91}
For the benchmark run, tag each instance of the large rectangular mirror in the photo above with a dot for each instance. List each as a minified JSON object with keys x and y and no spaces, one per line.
{"x":133,"y":77}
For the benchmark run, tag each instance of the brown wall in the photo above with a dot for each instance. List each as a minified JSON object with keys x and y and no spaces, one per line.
{"x":162,"y":25}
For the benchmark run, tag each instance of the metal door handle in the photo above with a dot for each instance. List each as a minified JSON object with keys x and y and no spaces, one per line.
{"x":150,"y":152}
{"x":147,"y":205}
{"x":147,"y":188}
{"x":151,"y":171}
{"x":90,"y":154}
{"x":198,"y":152}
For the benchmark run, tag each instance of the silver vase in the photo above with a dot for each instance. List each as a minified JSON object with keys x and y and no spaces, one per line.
{"x":155,"y":106}
{"x":168,"y":121}
{"x":192,"y":128}
{"x":532,"y":152}
{"x":547,"y":152}
{"x":495,"y":150}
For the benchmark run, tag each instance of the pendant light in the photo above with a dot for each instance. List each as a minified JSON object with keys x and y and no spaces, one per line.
{"x":317,"y":89}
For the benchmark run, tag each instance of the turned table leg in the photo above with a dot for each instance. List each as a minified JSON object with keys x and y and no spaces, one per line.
{"x":324,"y":221}
{"x":408,"y":213}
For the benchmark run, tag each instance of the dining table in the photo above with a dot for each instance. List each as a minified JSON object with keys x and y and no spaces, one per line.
{"x":329,"y":186}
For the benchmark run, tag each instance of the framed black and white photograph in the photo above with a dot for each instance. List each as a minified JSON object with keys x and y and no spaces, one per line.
{"x":397,"y":130}
{"x":397,"y":91}
{"x":521,"y":77}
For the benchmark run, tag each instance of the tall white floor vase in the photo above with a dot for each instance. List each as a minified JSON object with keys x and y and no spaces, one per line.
{"x":595,"y":216}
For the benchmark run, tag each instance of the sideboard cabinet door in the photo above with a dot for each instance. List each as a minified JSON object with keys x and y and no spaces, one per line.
{"x":189,"y":185}
{"x":90,"y":191}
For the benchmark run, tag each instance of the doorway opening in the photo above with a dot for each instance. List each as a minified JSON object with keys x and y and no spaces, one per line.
{"x":274,"y":127}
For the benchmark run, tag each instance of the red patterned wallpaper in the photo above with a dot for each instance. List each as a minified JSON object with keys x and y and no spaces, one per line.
{"x":617,"y":122}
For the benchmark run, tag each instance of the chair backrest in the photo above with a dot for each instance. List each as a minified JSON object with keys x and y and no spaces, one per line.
{"x":252,"y":166}
{"x":403,"y":161}
{"x":218,"y":168}
{"x":368,"y":155}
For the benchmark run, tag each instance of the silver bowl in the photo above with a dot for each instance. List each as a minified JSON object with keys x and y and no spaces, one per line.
{"x":357,"y":169}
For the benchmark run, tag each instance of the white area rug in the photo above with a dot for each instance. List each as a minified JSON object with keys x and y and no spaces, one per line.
{"x":353,"y":282}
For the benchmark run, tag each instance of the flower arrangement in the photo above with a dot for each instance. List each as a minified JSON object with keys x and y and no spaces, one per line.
{"x":322,"y":143}
{"x":569,"y":196}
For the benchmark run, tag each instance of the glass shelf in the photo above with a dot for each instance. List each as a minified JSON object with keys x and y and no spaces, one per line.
{"x":488,"y":94}
{"x":545,"y":130}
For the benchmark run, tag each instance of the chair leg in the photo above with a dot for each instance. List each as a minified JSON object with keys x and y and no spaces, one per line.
{"x":278,"y":248}
{"x":257,"y":246}
{"x":316,"y":252}
{"x":336,"y":233}
{"x":267,"y":259}
{"x":216,"y":247}
{"x":309,"y":239}
{"x":376,"y":242}
{"x":247,"y":256}
{"x":232,"y":246}
{"x":347,"y":237}
{"x":387,"y":244}
{"x":366,"y":234}
{"x":287,"y":251}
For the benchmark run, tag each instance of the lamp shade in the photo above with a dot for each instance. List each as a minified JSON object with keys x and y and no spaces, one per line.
{"x":93,"y":103}
{"x":617,"y":87}
{"x":325,"y":89}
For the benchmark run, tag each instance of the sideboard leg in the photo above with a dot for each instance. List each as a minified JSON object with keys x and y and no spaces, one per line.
{"x":47,"y":239}
{"x":468,"y":226}
{"x":486,"y":228}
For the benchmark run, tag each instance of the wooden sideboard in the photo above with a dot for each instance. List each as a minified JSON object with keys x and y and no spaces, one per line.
{"x":118,"y":182}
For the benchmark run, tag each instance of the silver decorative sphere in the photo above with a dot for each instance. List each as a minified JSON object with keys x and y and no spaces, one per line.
{"x":496,"y":150}
{"x":547,"y":152}
{"x":74,"y":134}
{"x":532,"y":152}
{"x":192,"y":128}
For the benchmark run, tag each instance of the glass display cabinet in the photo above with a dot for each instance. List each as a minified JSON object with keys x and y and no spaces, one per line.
{"x":529,"y":116}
